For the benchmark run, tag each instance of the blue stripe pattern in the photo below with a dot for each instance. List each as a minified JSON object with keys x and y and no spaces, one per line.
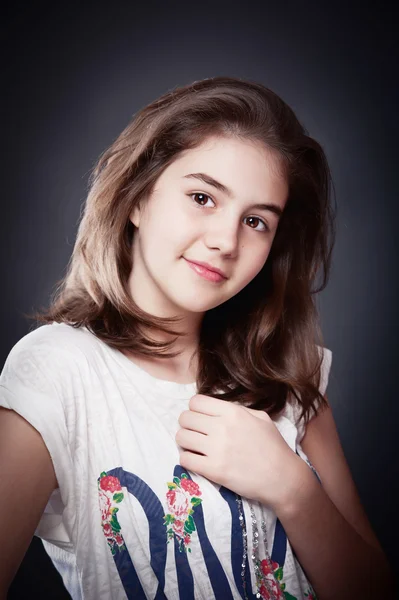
{"x":217,"y":576}
{"x":154,"y":512}
{"x":157,"y":537}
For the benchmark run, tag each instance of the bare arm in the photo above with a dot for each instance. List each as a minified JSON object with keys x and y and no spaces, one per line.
{"x":27,"y":479}
{"x":337,"y":560}
{"x":327,"y":526}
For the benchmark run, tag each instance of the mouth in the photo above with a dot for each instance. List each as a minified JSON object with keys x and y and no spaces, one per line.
{"x":206,"y":271}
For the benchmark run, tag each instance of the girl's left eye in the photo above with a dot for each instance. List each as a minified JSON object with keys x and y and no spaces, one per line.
{"x":200,"y":194}
{"x":205,"y":196}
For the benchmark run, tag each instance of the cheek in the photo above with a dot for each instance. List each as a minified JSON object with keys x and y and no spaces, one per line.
{"x":177,"y":232}
{"x":251,"y":264}
{"x":168,"y":236}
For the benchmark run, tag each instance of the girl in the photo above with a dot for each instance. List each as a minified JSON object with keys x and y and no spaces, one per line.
{"x":159,"y":415}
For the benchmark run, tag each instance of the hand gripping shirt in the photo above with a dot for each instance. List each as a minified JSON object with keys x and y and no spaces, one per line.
{"x":127,"y":521}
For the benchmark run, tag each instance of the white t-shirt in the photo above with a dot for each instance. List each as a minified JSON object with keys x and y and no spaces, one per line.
{"x":127,"y":521}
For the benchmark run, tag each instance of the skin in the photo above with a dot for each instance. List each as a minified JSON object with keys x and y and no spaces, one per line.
{"x":173,"y":225}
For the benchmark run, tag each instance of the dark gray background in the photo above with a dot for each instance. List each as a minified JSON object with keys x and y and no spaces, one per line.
{"x":76,"y":74}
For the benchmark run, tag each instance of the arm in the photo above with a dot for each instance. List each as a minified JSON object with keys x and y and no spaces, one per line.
{"x":27,"y":480}
{"x":326,"y":524}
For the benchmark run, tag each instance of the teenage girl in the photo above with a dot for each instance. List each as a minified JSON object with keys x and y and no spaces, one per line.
{"x":165,"y":430}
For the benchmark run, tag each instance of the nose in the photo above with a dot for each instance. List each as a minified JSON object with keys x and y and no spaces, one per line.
{"x":223,"y":234}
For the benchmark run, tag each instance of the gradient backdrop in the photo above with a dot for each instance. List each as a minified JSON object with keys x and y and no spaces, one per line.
{"x":74,"y":77}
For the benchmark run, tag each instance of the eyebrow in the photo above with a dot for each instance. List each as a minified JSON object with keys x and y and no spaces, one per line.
{"x":228,"y":192}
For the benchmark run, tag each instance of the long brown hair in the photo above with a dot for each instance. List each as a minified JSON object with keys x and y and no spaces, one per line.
{"x":264,"y":343}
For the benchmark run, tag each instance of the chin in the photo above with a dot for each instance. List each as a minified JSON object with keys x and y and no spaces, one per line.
{"x":202,"y":307}
{"x":195,"y":304}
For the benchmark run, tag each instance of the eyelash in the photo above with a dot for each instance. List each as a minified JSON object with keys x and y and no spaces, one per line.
{"x":208,"y":196}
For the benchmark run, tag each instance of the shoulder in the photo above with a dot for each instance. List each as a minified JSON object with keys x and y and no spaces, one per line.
{"x":55,"y":338}
{"x":293,"y":409}
{"x":325,"y":367}
{"x":52,"y":335}
{"x":46,"y":352}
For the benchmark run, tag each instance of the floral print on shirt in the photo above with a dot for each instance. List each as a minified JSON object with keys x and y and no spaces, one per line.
{"x":182,"y":498}
{"x":110,"y":494}
{"x":274,"y":579}
{"x":268,"y":578}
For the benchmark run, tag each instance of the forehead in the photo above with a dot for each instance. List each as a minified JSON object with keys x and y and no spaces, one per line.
{"x":231,"y":157}
{"x":249,"y":170}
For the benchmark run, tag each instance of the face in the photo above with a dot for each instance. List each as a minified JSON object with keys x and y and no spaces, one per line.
{"x":189,"y":219}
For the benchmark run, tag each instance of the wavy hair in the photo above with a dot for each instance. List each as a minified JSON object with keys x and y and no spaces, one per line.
{"x":263,"y":344}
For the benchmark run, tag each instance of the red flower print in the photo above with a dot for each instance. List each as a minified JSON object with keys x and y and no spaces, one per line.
{"x":276,"y":589}
{"x":178,"y":502}
{"x":105,"y":505}
{"x":264,"y":565}
{"x":182,"y":499}
{"x":267,"y":576}
{"x":108,"y":501}
{"x":178,"y":527}
{"x":190,"y":486}
{"x":264,"y":592}
{"x":171,"y":497}
{"x":110,"y":484}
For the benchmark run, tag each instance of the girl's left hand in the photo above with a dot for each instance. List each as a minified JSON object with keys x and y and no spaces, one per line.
{"x":239,"y":448}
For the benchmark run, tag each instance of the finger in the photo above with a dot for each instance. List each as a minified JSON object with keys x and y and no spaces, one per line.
{"x":261,"y":414}
{"x":195,"y":421}
{"x":210,"y":406}
{"x":192,"y":440}
{"x":196,"y":463}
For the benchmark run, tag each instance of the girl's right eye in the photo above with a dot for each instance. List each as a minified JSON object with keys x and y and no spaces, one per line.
{"x":200,"y":194}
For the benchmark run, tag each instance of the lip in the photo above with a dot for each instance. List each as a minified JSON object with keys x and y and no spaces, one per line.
{"x":207,"y":266}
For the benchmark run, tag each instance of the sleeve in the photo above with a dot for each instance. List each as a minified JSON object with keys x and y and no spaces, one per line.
{"x":31,"y":385}
{"x":324,"y":375}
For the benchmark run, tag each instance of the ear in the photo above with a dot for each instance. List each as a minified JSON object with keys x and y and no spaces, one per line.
{"x":135,"y":216}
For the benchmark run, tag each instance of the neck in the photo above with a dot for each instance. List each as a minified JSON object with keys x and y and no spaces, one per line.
{"x":181,"y":368}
